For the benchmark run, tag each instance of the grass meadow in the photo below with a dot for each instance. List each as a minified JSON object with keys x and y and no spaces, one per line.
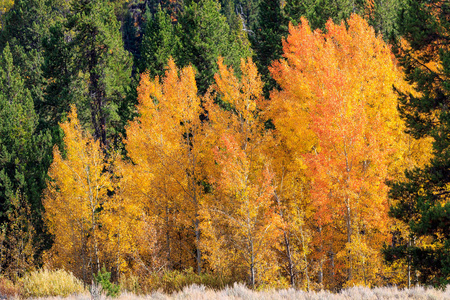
{"x":240,"y":291}
{"x":54,"y":285}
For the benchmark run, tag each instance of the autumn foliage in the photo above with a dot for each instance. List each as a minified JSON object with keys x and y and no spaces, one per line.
{"x":286,"y":191}
{"x":338,"y":86}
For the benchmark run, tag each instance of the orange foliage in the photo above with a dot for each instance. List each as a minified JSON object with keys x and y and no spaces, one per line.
{"x":340,"y":109}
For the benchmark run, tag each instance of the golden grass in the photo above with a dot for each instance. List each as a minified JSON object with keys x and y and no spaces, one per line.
{"x":45,"y":283}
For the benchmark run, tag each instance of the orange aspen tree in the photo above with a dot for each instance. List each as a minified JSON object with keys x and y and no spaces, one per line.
{"x":341,"y":83}
{"x":240,"y":225}
{"x":76,"y":191}
{"x":165,"y":144}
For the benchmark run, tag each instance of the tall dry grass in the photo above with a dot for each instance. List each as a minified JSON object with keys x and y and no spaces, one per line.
{"x":45,"y":283}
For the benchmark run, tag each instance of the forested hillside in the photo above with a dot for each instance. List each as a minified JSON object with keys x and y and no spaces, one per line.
{"x":279,"y":143}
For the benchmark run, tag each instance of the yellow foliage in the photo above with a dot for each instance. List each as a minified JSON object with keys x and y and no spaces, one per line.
{"x":239,"y":225}
{"x":166,"y":144}
{"x":45,"y":283}
{"x":74,"y":196}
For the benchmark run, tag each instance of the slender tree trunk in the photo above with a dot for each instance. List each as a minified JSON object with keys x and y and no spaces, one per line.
{"x":252,"y":266}
{"x":332,"y":254}
{"x":94,"y":236}
{"x":287,"y":247}
{"x":289,"y":258}
{"x":349,"y":240}
{"x":196,"y":204}
{"x":197,"y":237}
{"x":409,"y":264}
{"x":305,"y":257}
{"x":321,"y":250}
{"x":169,"y":260}
{"x":83,"y":257}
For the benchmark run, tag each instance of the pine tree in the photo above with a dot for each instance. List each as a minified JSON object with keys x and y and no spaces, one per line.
{"x":100,"y":56}
{"x":26,"y":26}
{"x":319,"y":12}
{"x":23,"y":161}
{"x":383,"y":16}
{"x":271,"y":29}
{"x":421,"y":200}
{"x":63,"y":85}
{"x":205,"y":36}
{"x":17,"y":125}
{"x":160,"y":42}
{"x":4,"y":7}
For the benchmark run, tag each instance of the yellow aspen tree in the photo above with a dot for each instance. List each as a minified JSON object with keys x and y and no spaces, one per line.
{"x":288,"y":110}
{"x":128,"y":231}
{"x":240,"y":225}
{"x":76,"y":192}
{"x":165,"y":144}
{"x":292,"y":139}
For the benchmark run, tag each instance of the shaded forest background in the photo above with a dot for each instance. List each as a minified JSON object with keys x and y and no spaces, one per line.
{"x":279,"y":143}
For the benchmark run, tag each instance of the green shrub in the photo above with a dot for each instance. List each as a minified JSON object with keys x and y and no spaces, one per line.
{"x":45,"y":283}
{"x":103,"y":278}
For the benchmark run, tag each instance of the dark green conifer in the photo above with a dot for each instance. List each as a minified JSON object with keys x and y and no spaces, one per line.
{"x":422,"y":199}
{"x":205,"y":35}
{"x":160,"y":42}
{"x":23,"y":150}
{"x":102,"y":62}
{"x":271,"y":29}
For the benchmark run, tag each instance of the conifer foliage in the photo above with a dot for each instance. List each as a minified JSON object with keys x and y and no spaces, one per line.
{"x":421,"y":199}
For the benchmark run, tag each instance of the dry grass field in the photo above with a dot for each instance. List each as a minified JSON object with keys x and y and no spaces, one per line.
{"x":56,"y":285}
{"x":239,"y":291}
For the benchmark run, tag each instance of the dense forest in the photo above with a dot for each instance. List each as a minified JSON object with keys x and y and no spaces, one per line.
{"x":278,"y":143}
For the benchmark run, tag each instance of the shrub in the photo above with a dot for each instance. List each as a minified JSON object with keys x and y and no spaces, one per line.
{"x":103,"y":278}
{"x":45,"y":283}
{"x":8,"y":289}
{"x":171,"y":281}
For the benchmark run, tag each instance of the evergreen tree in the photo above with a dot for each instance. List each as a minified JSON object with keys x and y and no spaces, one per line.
{"x":103,"y":63}
{"x":26,"y":27}
{"x":422,"y":199}
{"x":63,"y":87}
{"x":318,"y":12}
{"x":383,"y":16}
{"x":160,"y":42}
{"x":23,"y":150}
{"x":272,"y":28}
{"x":242,"y":13}
{"x":205,"y":35}
{"x":4,"y":7}
{"x":17,"y":124}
